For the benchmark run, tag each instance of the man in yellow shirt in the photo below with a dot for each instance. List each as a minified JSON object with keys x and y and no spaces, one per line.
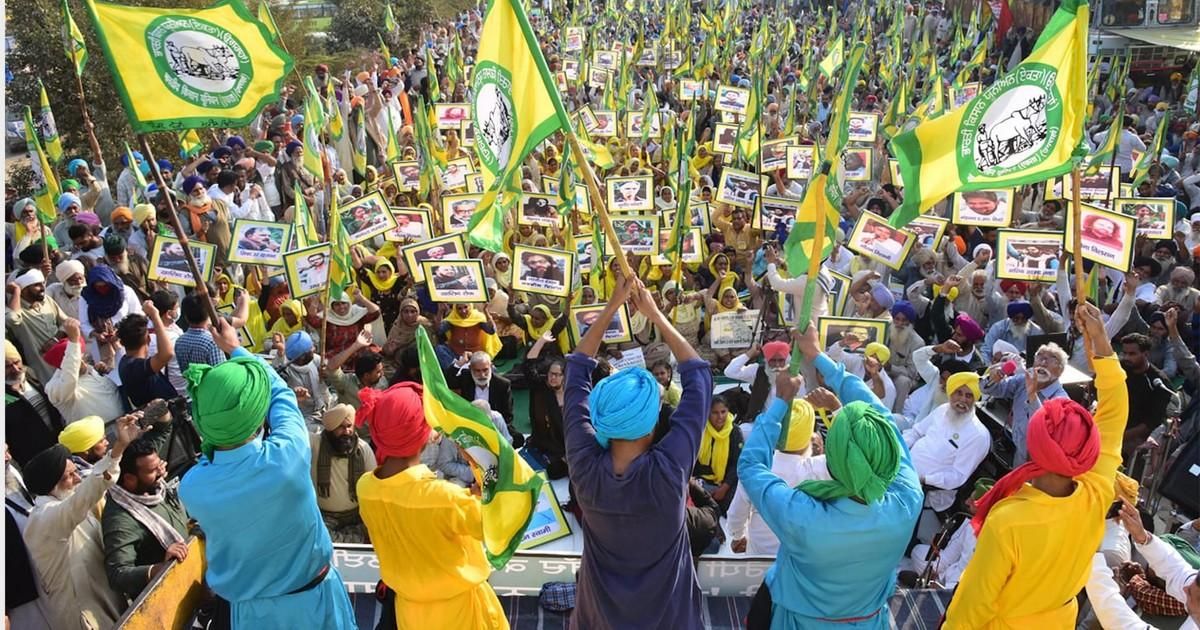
{"x":1037,"y":539}
{"x":427,"y":532}
{"x":735,"y":227}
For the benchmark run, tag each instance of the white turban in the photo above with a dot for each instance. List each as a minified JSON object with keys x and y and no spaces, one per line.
{"x":30,"y":278}
{"x":68,"y":268}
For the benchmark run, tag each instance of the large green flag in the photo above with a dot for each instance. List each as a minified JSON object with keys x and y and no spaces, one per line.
{"x":1105,"y":153}
{"x":1141,"y":170}
{"x":515,"y":107}
{"x":1024,"y":128}
{"x":1192,"y":95}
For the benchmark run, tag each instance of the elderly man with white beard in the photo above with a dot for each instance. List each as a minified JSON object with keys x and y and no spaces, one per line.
{"x":66,"y":292}
{"x":1015,"y":329}
{"x":903,"y":341}
{"x":1179,"y":290}
{"x":950,"y":443}
{"x":1028,"y":391}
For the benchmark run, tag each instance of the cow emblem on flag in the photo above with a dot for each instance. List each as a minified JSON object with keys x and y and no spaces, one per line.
{"x":494,"y":116}
{"x":199,"y":61}
{"x":1013,"y":125}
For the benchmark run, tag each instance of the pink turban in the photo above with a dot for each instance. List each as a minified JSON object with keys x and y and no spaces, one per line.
{"x":395,"y":418}
{"x":776,"y":350}
{"x":969,"y":328}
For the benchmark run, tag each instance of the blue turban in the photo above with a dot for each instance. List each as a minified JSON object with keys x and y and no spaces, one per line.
{"x":189,"y":183}
{"x":292,"y":146}
{"x":164,"y":165}
{"x":206,"y":166}
{"x":297,"y":344}
{"x":297,"y":120}
{"x":66,"y":199}
{"x":74,"y":165}
{"x":625,"y":405}
{"x":221,"y":152}
{"x":137,"y":156}
{"x":906,"y":309}
{"x":1020,"y":308}
{"x":235,"y":142}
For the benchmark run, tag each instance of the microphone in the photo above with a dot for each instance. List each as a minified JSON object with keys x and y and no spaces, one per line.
{"x":1009,"y":367}
{"x":1158,"y":384}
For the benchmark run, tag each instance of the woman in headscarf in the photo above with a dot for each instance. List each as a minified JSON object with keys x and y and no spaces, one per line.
{"x":665,"y":202}
{"x":403,"y":333}
{"x":684,"y":309}
{"x":379,"y":284}
{"x":546,"y":446}
{"x":226,"y":290}
{"x":725,"y":300}
{"x":720,"y":447}
{"x":271,"y":299}
{"x":467,"y":329}
{"x":345,"y":320}
{"x":106,"y":301}
{"x":291,"y":319}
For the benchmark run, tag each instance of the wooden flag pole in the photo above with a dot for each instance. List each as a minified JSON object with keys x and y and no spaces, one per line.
{"x":165,"y":190}
{"x":1076,"y":214}
{"x":598,"y":204}
{"x":329,"y":228}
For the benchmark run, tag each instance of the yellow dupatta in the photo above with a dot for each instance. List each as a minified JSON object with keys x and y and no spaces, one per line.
{"x":714,"y":449}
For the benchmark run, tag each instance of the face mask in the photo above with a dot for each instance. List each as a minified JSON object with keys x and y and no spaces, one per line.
{"x":72,"y":290}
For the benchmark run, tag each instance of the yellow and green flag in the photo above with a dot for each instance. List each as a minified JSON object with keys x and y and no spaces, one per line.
{"x":1024,"y":128}
{"x":267,"y":20}
{"x":48,"y":130}
{"x":190,"y":68}
{"x":389,"y":19}
{"x":515,"y":107}
{"x":135,"y":168}
{"x":341,"y":266}
{"x":73,"y":41}
{"x":1105,"y":153}
{"x":189,"y":143}
{"x":44,"y":183}
{"x":833,"y":60}
{"x":509,"y":486}
{"x":305,"y":228}
{"x":314,"y":119}
{"x":1141,"y":170}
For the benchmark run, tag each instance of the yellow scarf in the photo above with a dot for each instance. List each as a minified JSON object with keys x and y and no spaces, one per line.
{"x":381,"y":286}
{"x":227,"y":298}
{"x":714,"y":449}
{"x":491,"y":343}
{"x":281,"y":326}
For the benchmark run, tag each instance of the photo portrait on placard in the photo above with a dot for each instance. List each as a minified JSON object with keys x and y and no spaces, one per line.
{"x":649,"y":57}
{"x":1101,"y":186}
{"x":454,"y":176}
{"x":584,"y":252}
{"x":446,"y":247}
{"x":544,"y":271}
{"x":584,"y":317}
{"x":169,"y":264}
{"x":853,"y":334}
{"x":307,"y":270}
{"x":606,"y":124}
{"x":856,"y":165}
{"x":412,"y":224}
{"x":800,"y":162}
{"x":725,"y":138}
{"x":538,"y":209}
{"x":366,"y":217}
{"x":1028,"y":255}
{"x":454,"y":280}
{"x":574,"y":39}
{"x":861,"y":127}
{"x":772,"y":211}
{"x":451,"y":115}
{"x":457,"y":211}
{"x":990,"y":208}
{"x":408,"y":175}
{"x":606,"y":59}
{"x":570,"y":67}
{"x":1107,"y":237}
{"x":690,"y":90}
{"x":259,"y":242}
{"x":738,"y":188}
{"x":690,"y":249}
{"x":960,"y":97}
{"x":637,"y":235}
{"x":700,"y":215}
{"x":732,"y":99}
{"x":894,"y":170}
{"x":773,"y":155}
{"x":1155,"y":217}
{"x":929,"y":230}
{"x":629,"y":194}
{"x":635,"y":125}
{"x":875,"y":239}
{"x":466,"y":131}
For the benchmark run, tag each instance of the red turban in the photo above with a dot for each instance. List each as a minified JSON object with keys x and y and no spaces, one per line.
{"x":54,"y":356}
{"x":776,"y":350}
{"x":395,"y":418}
{"x":1062,"y":439}
{"x":969,"y":328}
{"x":1005,"y":285}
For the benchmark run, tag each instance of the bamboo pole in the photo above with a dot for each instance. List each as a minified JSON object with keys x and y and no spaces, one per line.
{"x":1076,"y":214}
{"x":329,"y":228}
{"x":201,"y":285}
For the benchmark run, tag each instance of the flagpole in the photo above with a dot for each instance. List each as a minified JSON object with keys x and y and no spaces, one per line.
{"x":201,"y":286}
{"x":1076,"y":214}
{"x":329,"y":192}
{"x":598,"y":203}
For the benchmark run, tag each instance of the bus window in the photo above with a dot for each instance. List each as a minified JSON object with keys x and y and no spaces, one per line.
{"x":1124,"y":12}
{"x":1175,"y":11}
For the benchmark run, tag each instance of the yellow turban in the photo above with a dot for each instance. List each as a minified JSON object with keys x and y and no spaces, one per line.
{"x":337,"y":416}
{"x":10,"y":351}
{"x":879,"y":351}
{"x":970,"y":379}
{"x":800,"y":426}
{"x":141,"y":213}
{"x":82,"y":434}
{"x":1127,"y":488}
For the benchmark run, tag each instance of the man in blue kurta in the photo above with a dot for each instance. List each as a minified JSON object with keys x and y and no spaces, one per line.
{"x":637,"y":567}
{"x":840,"y":539}
{"x":268,"y":551}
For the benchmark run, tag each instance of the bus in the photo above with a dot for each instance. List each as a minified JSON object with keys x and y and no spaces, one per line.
{"x":1161,"y":36}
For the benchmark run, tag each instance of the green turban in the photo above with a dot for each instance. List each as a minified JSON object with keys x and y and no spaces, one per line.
{"x":862,"y":452}
{"x":229,"y":401}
